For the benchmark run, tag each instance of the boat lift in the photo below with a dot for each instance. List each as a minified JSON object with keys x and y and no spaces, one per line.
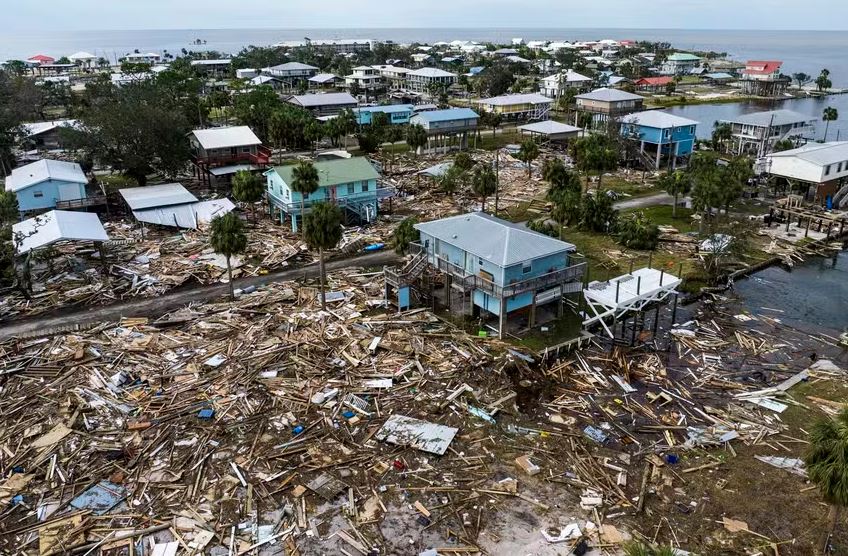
{"x":628,"y":293}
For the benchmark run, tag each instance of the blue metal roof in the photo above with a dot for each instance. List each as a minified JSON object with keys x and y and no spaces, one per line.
{"x":387,"y":109}
{"x":447,"y":115}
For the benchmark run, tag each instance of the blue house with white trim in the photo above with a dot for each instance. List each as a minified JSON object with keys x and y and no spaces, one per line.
{"x":443,"y":126}
{"x":44,"y":184}
{"x":503,"y":267}
{"x":667,"y":140}
{"x":351,"y":183}
{"x":398,"y":114}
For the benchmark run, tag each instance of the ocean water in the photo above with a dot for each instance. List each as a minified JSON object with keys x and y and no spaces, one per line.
{"x":807,"y":51}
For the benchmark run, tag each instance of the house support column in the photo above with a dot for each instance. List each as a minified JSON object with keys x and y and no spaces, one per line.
{"x":502,"y":318}
{"x":659,"y":154}
{"x":532,"y":322}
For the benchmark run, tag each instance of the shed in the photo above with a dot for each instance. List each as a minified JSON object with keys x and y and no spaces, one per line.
{"x":168,"y":204}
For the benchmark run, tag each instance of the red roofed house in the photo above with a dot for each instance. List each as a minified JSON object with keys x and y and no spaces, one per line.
{"x":763,"y":78}
{"x":41,"y":59}
{"x":653,"y":83}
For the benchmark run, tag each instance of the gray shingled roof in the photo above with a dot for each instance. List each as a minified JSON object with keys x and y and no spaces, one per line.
{"x":497,"y":241}
{"x":772,"y":117}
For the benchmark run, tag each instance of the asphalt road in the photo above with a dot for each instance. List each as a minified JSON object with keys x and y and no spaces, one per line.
{"x":156,"y":306}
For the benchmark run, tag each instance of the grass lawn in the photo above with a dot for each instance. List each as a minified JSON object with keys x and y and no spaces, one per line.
{"x":661,"y":215}
{"x":627,"y":187}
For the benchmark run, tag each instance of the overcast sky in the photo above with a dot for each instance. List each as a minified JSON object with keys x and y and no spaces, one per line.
{"x":211,"y":14}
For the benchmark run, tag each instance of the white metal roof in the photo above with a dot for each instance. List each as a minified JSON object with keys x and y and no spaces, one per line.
{"x":431,"y":72}
{"x":497,"y":241}
{"x":290,"y":66}
{"x":225,"y":137}
{"x":820,"y":154}
{"x":324,"y":99}
{"x":569,"y":76}
{"x":57,"y":225}
{"x":217,"y":62}
{"x":549,"y":127}
{"x":82,"y":55}
{"x":180,"y":216}
{"x":44,"y":170}
{"x":207,"y":210}
{"x":609,"y":95}
{"x":509,"y":100}
{"x":37,"y":128}
{"x":658,"y":119}
{"x":163,"y":195}
{"x":323,"y":77}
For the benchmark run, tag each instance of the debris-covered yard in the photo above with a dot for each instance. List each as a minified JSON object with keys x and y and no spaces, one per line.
{"x":267,"y":424}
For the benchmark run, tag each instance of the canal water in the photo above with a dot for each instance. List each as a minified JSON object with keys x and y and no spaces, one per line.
{"x":815,"y":292}
{"x":708,"y":114}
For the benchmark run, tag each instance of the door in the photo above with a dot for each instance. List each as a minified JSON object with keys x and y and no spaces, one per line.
{"x":69,"y":191}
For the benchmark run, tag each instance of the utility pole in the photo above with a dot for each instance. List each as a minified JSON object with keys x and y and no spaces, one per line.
{"x":497,"y":179}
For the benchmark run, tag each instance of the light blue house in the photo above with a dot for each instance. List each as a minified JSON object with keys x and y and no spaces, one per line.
{"x":48,"y":184}
{"x":351,"y":183}
{"x":443,"y":126}
{"x":503,"y":267}
{"x":665,"y":139}
{"x":398,"y":114}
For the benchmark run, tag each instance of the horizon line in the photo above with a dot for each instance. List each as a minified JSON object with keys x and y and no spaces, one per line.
{"x":433,"y":28}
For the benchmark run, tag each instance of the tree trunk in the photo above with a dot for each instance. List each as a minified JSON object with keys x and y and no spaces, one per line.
{"x":302,"y":214}
{"x":826,"y":127}
{"x":600,"y":178}
{"x":484,"y":204}
{"x":323,"y":278}
{"x":674,"y":207}
{"x":230,"y":278}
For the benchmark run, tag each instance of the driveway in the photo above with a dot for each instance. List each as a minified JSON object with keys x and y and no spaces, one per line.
{"x":156,"y":306}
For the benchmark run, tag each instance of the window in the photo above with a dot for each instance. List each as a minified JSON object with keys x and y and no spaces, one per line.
{"x":827,"y":170}
{"x":692,"y":130}
{"x":350,"y":189}
{"x":839,"y":168}
{"x":526,"y":267}
{"x":364,"y":186}
{"x":37,"y":194}
{"x":245,"y":149}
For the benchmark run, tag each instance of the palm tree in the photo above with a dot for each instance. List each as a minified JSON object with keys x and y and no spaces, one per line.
{"x":248,"y":188}
{"x":483,"y":182}
{"x":528,"y":153}
{"x":347,"y":123}
{"x":676,"y":184}
{"x":827,"y":462}
{"x":405,"y":234}
{"x":304,"y":181}
{"x":823,"y":80}
{"x":323,"y":230}
{"x":830,"y":115}
{"x":228,"y":239}
{"x":722,"y":132}
{"x":416,"y":137}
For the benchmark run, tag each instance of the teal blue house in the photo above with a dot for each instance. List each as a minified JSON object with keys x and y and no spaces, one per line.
{"x":351,"y":183}
{"x":398,"y":114}
{"x":664,"y":139}
{"x":47,"y":184}
{"x":505,"y":267}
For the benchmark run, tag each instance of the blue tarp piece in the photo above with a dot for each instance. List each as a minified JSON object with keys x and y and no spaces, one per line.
{"x":100,"y":498}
